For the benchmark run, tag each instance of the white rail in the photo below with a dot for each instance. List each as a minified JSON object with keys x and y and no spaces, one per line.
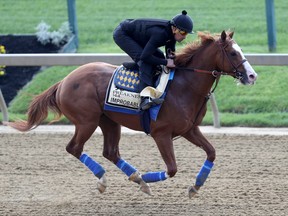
{"x":70,"y":59}
{"x":66,"y":59}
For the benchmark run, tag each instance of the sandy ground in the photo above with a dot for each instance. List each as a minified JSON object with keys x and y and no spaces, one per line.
{"x":38,"y":177}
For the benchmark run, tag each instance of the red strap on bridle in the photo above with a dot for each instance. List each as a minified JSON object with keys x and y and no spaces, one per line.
{"x":215,"y":73}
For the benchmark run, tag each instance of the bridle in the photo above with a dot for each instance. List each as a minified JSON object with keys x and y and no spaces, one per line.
{"x":234,"y":73}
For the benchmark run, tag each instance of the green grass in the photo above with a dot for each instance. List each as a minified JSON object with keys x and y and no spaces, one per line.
{"x":264,"y":104}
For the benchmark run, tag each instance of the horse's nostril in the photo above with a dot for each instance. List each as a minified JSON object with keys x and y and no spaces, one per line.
{"x":252,"y":77}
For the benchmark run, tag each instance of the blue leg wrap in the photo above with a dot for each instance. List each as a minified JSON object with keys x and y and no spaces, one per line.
{"x":203,"y":173}
{"x":96,"y":168}
{"x":154,"y":176}
{"x":125,"y":167}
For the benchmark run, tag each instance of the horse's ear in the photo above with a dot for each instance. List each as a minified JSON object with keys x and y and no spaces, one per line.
{"x":231,"y":34}
{"x":223,"y":36}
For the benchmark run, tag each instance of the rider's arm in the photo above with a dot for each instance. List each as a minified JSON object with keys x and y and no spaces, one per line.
{"x":149,"y":50}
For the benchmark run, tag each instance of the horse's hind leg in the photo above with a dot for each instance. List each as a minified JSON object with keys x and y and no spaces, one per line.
{"x":75,"y":147}
{"x":112,"y":132}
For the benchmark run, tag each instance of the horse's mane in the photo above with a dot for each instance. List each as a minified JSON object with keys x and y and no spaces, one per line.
{"x":187,"y":53}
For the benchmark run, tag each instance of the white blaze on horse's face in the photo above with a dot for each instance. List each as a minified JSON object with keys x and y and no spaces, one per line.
{"x":250,"y":73}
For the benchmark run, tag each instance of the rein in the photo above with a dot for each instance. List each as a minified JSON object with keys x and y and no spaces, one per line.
{"x":214,"y":73}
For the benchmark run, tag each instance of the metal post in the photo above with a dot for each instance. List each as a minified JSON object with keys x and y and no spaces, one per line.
{"x":271,"y":27}
{"x":3,"y":107}
{"x":73,"y":19}
{"x":216,"y":118}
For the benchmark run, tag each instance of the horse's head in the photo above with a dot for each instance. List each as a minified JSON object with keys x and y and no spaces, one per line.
{"x":216,"y":54}
{"x":232,"y":60}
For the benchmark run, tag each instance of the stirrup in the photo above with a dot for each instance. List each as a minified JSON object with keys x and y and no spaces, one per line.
{"x":146,"y":103}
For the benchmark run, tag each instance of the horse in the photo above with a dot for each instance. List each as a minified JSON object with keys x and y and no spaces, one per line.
{"x":80,"y":97}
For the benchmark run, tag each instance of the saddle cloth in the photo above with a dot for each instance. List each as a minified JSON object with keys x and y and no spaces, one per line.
{"x":122,"y":94}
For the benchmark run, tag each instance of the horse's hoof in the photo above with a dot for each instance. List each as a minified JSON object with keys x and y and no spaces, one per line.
{"x":192,"y":191}
{"x":102,"y":184}
{"x":146,"y":189}
{"x":101,"y":187}
{"x":135,"y":177}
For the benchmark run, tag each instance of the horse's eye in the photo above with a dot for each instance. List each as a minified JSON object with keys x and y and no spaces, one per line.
{"x":233,"y":53}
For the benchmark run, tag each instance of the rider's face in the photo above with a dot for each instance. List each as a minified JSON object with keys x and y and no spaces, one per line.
{"x":179,"y":35}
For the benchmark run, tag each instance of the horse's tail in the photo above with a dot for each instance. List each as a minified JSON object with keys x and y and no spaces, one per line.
{"x":38,"y":110}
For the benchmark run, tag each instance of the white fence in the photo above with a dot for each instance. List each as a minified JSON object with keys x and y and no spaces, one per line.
{"x":69,"y":59}
{"x":66,"y":59}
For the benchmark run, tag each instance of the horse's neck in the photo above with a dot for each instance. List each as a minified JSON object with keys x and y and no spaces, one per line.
{"x":197,"y":82}
{"x":206,"y":60}
{"x":194,"y":83}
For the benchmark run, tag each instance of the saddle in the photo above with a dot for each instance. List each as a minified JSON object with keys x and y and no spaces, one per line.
{"x":123,"y":93}
{"x":128,"y":76}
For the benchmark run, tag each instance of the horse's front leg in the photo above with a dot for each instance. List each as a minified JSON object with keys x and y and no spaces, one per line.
{"x":196,"y":137}
{"x":165,"y":145}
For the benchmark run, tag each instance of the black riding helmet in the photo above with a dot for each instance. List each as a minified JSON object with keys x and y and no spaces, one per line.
{"x":183,"y":22}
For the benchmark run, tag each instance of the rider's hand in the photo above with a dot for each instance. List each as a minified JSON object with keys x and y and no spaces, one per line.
{"x":170,"y":63}
{"x":171,"y":55}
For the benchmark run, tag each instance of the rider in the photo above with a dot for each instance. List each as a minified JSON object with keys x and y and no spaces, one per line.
{"x":141,"y":39}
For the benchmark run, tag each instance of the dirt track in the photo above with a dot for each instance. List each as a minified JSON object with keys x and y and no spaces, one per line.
{"x":38,"y":177}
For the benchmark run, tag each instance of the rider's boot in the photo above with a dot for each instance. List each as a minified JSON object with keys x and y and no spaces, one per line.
{"x":147,"y":102}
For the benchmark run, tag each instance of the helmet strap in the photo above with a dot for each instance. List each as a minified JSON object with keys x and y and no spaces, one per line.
{"x":174,"y":29}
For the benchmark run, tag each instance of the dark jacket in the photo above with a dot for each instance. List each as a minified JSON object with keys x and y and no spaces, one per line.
{"x":150,"y":34}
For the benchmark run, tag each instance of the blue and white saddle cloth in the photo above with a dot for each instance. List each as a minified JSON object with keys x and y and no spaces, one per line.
{"x":123,"y":95}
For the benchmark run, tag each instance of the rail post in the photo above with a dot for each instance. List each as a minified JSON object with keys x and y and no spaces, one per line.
{"x":3,"y":107}
{"x":271,"y":27}
{"x":214,"y":107}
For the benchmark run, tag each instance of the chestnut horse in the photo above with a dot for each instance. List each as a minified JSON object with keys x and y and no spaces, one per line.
{"x":80,"y":97}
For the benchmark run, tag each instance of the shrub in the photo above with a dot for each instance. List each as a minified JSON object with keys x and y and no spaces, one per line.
{"x":2,"y":67}
{"x":59,"y":37}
